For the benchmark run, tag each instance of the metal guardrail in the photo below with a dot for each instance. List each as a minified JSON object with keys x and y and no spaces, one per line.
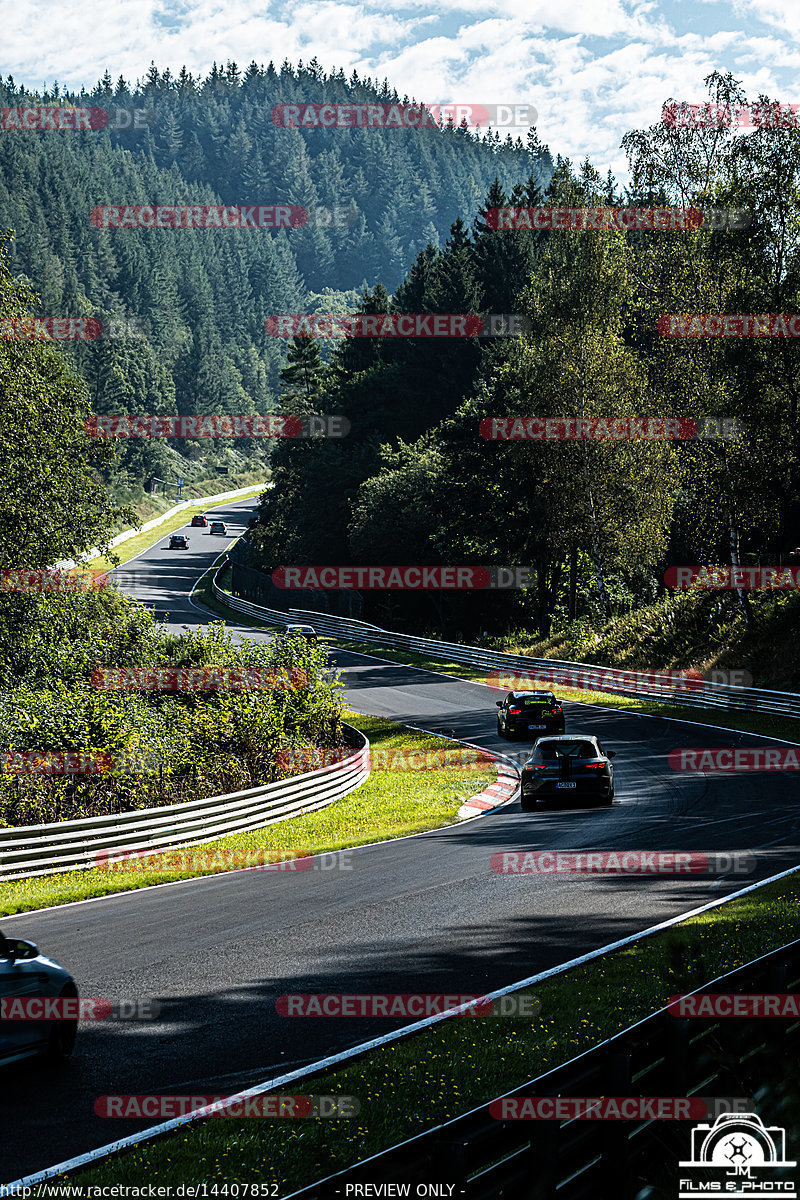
{"x":356,"y":1053}
{"x":662,"y":1055}
{"x":31,"y":850}
{"x":664,"y":689}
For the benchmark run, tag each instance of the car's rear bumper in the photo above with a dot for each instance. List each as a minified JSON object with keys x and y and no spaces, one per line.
{"x":550,"y":728}
{"x":547,"y":790}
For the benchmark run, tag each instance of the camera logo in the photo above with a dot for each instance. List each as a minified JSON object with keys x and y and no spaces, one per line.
{"x":739,"y":1143}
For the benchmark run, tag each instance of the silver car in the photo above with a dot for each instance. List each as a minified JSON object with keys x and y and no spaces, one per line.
{"x":303,"y":631}
{"x":26,"y":974}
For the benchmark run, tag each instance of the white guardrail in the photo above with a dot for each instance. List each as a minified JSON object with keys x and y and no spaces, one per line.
{"x":666,"y":689}
{"x":30,"y":850}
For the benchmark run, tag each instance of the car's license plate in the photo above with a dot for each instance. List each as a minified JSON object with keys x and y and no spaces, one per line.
{"x":537,"y":727}
{"x":566,"y":785}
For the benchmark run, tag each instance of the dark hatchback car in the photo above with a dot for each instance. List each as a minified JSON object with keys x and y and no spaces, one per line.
{"x":529,"y":714}
{"x":571,"y":767}
{"x":179,"y":541}
{"x":26,"y":975}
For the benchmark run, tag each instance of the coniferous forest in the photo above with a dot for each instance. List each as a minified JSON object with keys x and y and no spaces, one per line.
{"x":414,"y":481}
{"x":200,"y":298}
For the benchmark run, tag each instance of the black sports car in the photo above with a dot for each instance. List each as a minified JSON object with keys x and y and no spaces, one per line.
{"x":530,"y":714}
{"x":570,"y":767}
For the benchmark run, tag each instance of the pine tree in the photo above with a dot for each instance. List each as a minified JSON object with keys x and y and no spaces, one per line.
{"x":302,"y":375}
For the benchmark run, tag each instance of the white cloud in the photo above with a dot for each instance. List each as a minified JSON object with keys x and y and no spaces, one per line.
{"x":782,"y":13}
{"x":592,"y":68}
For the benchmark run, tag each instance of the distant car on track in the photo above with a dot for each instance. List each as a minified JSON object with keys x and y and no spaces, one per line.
{"x":179,"y":541}
{"x":218,"y":529}
{"x":200,"y":520}
{"x":572,"y":766}
{"x":529,"y":713}
{"x":26,"y":974}
{"x":304,"y":631}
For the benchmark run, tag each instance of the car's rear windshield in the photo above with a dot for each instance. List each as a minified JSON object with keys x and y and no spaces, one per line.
{"x":554,"y":750}
{"x":536,"y":698}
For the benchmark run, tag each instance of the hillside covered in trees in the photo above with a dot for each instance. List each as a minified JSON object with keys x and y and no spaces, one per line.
{"x":600,"y":521}
{"x":199,"y":298}
{"x":415,"y":482}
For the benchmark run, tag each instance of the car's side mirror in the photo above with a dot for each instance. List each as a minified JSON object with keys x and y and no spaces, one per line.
{"x":611,"y":754}
{"x":499,"y":703}
{"x":17,"y":948}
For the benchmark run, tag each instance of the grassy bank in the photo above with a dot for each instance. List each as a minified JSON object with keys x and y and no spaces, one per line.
{"x":701,"y":628}
{"x":148,"y":505}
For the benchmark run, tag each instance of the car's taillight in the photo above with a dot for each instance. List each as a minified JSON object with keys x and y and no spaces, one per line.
{"x":514,"y":712}
{"x":595,"y":766}
{"x":535,"y":767}
{"x":557,"y":708}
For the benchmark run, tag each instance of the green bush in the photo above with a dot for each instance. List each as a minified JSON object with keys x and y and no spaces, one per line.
{"x":159,"y":747}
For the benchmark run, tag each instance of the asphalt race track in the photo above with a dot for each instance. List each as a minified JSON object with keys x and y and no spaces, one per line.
{"x":422,"y":914}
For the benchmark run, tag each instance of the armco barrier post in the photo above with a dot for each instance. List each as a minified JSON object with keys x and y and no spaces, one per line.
{"x":614,"y":1168}
{"x":676,"y":1060}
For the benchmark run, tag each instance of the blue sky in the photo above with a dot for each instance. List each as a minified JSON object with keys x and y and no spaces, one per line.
{"x":592,"y":69}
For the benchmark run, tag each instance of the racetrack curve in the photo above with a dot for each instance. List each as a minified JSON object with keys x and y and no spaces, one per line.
{"x":420,"y":914}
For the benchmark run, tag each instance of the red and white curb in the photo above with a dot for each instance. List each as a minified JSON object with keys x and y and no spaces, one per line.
{"x":493,"y":796}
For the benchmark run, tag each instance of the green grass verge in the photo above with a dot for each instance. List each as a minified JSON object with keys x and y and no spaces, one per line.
{"x":143,"y":541}
{"x":390,"y":804}
{"x":449,"y":1069}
